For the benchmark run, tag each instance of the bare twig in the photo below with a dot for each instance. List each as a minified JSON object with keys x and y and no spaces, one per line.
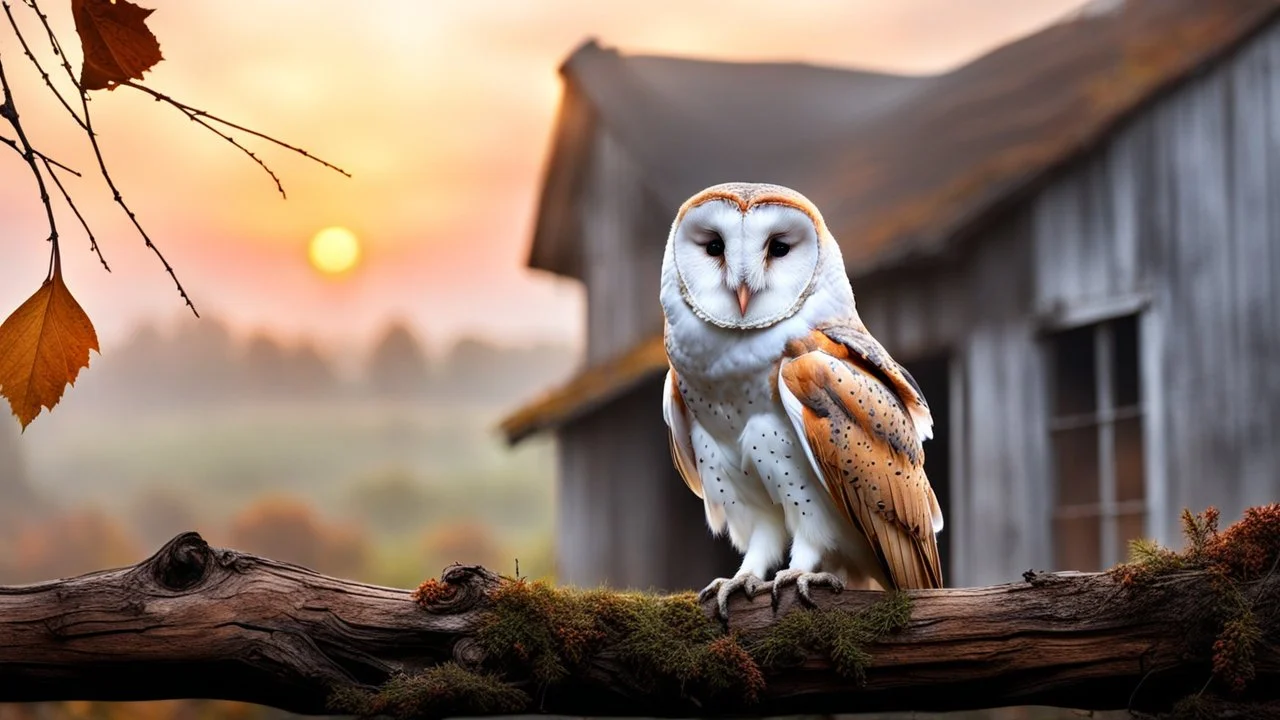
{"x":9,"y":111}
{"x":84,"y":119}
{"x":34,"y":61}
{"x":115,"y":195}
{"x":13,"y":144}
{"x":243,"y":149}
{"x":93,"y":242}
{"x":195,"y":113}
{"x":102,"y":164}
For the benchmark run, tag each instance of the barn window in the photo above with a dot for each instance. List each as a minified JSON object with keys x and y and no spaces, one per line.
{"x":1096,"y":427}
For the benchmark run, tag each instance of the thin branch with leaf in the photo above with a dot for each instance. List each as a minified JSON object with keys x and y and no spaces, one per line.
{"x":46,"y":341}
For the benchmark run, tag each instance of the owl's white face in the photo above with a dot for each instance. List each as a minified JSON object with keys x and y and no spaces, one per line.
{"x":745,"y":270}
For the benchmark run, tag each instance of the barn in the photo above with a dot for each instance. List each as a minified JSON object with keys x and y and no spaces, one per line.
{"x":1072,"y":242}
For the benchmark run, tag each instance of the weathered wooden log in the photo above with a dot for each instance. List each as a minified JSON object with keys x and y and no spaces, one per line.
{"x":199,"y":622}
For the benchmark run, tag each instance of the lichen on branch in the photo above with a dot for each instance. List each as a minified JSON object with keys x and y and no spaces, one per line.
{"x":1244,"y":553}
{"x":536,"y":636}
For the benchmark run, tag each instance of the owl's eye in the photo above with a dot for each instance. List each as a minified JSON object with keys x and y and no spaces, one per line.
{"x":777,"y":248}
{"x":715,"y":248}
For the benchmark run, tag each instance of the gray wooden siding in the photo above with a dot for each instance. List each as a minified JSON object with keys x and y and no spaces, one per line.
{"x":1001,"y":503}
{"x":626,"y":519}
{"x":1002,"y":528}
{"x":624,"y":237}
{"x":916,"y":314}
{"x":1178,"y":215}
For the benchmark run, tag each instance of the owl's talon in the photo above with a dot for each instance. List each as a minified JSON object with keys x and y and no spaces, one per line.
{"x":803,"y":581}
{"x":722,"y":588}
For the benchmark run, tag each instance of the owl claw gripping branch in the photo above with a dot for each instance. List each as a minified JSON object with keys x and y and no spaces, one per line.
{"x":800,"y":433}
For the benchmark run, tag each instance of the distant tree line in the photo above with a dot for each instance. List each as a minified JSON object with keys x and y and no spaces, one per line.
{"x":204,"y":363}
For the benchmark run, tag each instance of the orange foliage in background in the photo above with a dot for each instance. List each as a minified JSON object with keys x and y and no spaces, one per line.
{"x":283,"y":527}
{"x":153,"y":710}
{"x":468,"y":542}
{"x":66,"y":545}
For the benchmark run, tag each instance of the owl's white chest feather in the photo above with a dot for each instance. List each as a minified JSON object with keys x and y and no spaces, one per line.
{"x":749,"y":454}
{"x":748,"y":451}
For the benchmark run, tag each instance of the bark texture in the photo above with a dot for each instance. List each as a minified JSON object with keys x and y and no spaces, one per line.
{"x":194,"y":621}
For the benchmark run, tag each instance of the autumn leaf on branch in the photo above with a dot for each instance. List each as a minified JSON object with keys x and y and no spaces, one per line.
{"x":43,"y":346}
{"x":118,"y":46}
{"x":46,"y":342}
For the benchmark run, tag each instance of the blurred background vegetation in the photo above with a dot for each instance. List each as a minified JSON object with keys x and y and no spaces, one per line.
{"x":379,"y":463}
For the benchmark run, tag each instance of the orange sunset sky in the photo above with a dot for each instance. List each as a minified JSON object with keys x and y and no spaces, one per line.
{"x":442,"y":112}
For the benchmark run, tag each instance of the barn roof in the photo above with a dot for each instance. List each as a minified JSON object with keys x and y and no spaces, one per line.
{"x":690,"y":123}
{"x":902,"y":167}
{"x":587,"y":390}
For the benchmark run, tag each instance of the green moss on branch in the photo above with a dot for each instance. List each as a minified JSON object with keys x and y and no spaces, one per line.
{"x":536,"y":637}
{"x":839,"y":635}
{"x":667,"y":643}
{"x":440,"y":691}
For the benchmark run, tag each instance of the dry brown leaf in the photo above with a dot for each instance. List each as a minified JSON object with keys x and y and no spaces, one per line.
{"x":43,"y":346}
{"x":117,"y":44}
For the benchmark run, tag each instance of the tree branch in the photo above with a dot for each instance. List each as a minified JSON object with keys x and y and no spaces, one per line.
{"x":86,"y":122}
{"x":9,"y":111}
{"x":49,"y":166}
{"x":45,"y":158}
{"x":199,"y":116}
{"x":198,"y":622}
{"x":26,"y":49}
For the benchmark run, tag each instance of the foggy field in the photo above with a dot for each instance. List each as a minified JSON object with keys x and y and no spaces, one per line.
{"x":221,"y":457}
{"x":412,"y":486}
{"x":386,"y":472}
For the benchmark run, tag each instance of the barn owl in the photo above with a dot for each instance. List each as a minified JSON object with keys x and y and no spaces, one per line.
{"x":800,"y":433}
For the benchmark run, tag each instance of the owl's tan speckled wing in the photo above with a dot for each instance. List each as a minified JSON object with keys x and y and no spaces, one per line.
{"x":859,"y":414}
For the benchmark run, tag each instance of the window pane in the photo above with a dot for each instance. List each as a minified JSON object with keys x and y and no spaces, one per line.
{"x":1124,"y":367}
{"x":1130,"y":471}
{"x":1129,"y":526}
{"x":1075,"y":454}
{"x":1077,"y":544}
{"x":1074,"y":380}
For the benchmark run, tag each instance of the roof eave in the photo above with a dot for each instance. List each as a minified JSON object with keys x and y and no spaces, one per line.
{"x":588,"y":390}
{"x":556,"y":246}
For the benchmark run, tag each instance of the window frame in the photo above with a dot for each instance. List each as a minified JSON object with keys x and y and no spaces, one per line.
{"x":1104,"y":417}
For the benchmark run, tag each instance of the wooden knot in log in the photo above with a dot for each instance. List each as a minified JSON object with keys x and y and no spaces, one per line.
{"x":182,"y":563}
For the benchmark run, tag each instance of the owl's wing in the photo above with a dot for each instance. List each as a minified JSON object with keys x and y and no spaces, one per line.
{"x":854,"y":338}
{"x":858,"y":416}
{"x":678,"y":433}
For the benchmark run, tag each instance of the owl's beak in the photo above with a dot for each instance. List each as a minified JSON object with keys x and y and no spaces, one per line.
{"x":744,"y":297}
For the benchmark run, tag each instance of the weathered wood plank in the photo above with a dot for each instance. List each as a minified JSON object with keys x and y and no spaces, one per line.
{"x":621,"y":283}
{"x":626,"y":519}
{"x":1251,"y":291}
{"x":1201,"y":282}
{"x":1179,"y":208}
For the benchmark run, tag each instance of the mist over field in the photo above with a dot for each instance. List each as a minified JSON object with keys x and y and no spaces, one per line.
{"x":379,"y":463}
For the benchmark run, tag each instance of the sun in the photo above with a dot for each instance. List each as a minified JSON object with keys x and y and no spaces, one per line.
{"x":334,"y":250}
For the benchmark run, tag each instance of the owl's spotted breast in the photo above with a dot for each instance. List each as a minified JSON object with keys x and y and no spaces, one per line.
{"x":793,"y":424}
